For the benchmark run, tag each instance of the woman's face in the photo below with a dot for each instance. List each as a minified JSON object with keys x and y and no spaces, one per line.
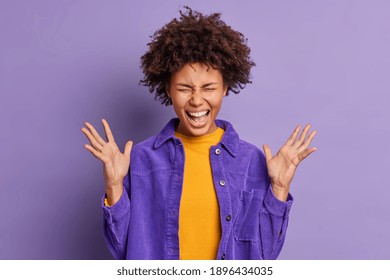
{"x":196,"y":92}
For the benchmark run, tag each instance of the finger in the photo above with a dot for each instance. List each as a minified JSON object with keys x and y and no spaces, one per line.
{"x":293,"y":136}
{"x":128,"y":147}
{"x":96,"y":153}
{"x":267,"y":152}
{"x":92,"y":139}
{"x":307,"y":142}
{"x":107,"y":130}
{"x":302,"y":137}
{"x":95,"y":133}
{"x":306,"y":153}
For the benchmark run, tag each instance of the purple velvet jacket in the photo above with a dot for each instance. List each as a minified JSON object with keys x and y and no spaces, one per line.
{"x":143,"y":224}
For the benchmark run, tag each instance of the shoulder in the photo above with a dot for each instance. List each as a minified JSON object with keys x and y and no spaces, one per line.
{"x":146,"y":158}
{"x":233,"y":141}
{"x":248,"y":156}
{"x":155,"y":142}
{"x":147,"y":149}
{"x":145,"y":145}
{"x":255,"y":153}
{"x":253,"y":156}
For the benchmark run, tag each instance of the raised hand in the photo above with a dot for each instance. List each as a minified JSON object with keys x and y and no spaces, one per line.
{"x":115,"y":164}
{"x":282,"y":166}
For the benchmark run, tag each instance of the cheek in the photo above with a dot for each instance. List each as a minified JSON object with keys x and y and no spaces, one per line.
{"x":178,"y":103}
{"x":215,"y":102}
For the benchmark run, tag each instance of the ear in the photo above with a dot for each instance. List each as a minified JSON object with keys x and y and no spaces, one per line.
{"x":167,"y":90}
{"x":225,"y":90}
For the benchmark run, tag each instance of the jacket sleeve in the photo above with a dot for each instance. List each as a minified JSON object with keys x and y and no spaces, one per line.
{"x":274,"y":217}
{"x":116,"y":222}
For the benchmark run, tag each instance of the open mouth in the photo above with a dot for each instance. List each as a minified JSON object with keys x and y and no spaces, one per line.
{"x":198,"y":119}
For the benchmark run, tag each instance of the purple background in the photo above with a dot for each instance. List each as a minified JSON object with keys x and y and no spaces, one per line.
{"x":66,"y":62}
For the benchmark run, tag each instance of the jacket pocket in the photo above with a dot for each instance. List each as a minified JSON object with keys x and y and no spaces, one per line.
{"x":246,"y":225}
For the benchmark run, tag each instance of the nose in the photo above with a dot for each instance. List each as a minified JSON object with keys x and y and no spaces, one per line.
{"x":196,"y":98}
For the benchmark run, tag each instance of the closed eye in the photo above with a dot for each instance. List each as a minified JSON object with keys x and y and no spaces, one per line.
{"x":184,"y":90}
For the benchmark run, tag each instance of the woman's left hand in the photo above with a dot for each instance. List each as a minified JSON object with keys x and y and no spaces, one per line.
{"x":282,"y":166}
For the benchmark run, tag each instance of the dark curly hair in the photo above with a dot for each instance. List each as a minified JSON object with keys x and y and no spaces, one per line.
{"x":196,"y":38}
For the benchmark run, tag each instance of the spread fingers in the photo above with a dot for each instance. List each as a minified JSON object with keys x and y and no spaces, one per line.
{"x":107,"y":130}
{"x":307,"y":142}
{"x":95,"y":144}
{"x":93,"y":151}
{"x":293,"y":136}
{"x":302,"y":137}
{"x":95,"y":133}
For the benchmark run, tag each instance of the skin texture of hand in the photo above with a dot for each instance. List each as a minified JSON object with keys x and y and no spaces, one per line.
{"x":282,"y":166}
{"x":115,"y":164}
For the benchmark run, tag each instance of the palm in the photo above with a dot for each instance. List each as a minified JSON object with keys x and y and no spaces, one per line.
{"x":115,"y":163}
{"x":282,"y":166}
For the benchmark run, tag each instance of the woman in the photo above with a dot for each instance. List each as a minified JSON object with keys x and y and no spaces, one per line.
{"x":196,"y":190}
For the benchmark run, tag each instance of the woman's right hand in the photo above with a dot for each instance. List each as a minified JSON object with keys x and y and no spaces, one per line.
{"x":115,"y":164}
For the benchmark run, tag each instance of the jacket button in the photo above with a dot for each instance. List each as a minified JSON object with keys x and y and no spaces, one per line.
{"x":228,"y":218}
{"x":222,"y":183}
{"x":223,"y":257}
{"x":217,"y":151}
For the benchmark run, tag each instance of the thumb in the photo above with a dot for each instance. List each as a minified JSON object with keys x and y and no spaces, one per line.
{"x":267,"y":152}
{"x":128,"y":147}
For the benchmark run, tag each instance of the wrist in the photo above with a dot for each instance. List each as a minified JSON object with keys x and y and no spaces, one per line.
{"x":114,"y":194}
{"x":111,"y":187}
{"x":114,"y":184}
{"x":280,"y":192}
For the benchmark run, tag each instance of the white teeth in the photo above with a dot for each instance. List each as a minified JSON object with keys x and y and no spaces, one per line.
{"x":198,"y":114}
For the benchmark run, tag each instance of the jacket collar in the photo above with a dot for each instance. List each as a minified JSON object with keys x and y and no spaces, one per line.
{"x":229,"y":139}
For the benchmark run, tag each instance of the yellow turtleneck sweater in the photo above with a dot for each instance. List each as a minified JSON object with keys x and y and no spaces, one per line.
{"x":199,"y":223}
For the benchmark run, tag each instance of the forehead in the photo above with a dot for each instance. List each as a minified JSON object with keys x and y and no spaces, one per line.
{"x":195,"y":73}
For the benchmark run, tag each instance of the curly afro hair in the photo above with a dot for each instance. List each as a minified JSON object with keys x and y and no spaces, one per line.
{"x":196,"y":38}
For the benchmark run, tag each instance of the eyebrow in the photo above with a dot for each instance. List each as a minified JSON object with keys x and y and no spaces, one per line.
{"x":204,"y":86}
